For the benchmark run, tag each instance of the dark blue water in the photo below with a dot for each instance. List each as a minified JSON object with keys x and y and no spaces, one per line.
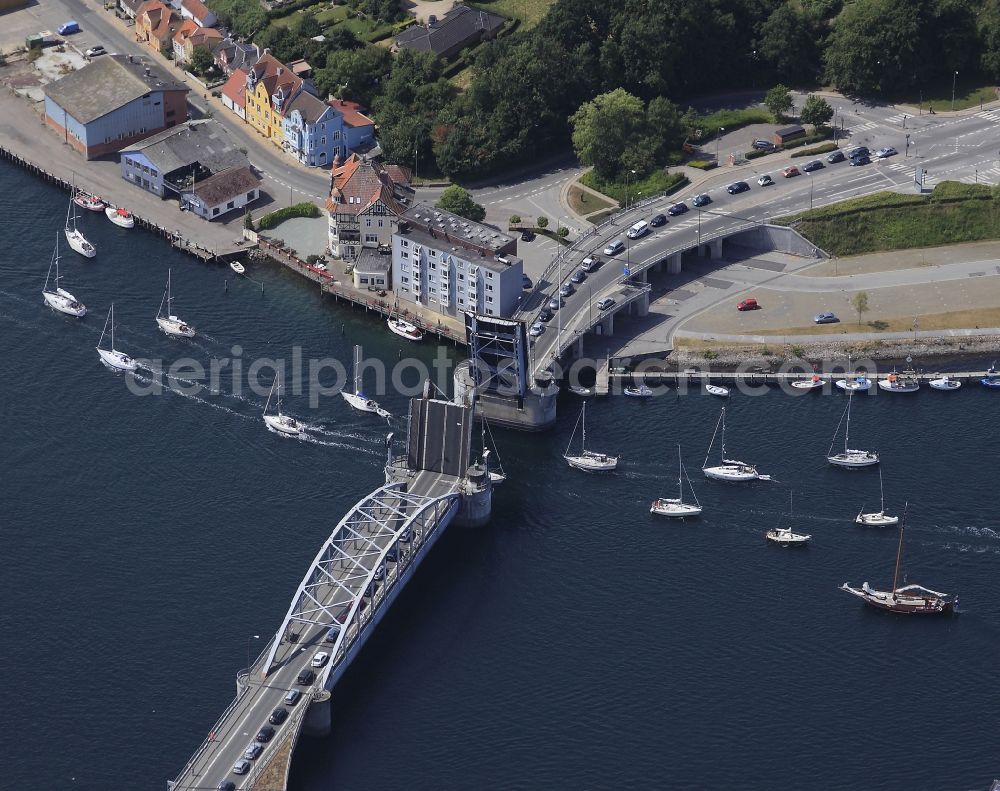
{"x":577,"y":642}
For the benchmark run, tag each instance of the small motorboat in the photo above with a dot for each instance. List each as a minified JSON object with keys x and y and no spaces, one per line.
{"x":583,"y":392}
{"x":87,"y":201}
{"x":906,"y":382}
{"x":120,"y":217}
{"x":237,"y":267}
{"x":642,"y":391}
{"x":786,"y":537}
{"x":813,"y":383}
{"x":859,"y":383}
{"x":992,"y":378}
{"x":404,"y":329}
{"x":945,"y":383}
{"x":717,"y":390}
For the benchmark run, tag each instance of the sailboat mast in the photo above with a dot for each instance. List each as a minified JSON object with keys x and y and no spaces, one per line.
{"x":708,"y":453}
{"x":847,"y":428}
{"x":899,"y":552}
{"x":169,"y":298}
{"x":583,"y":419}
{"x":357,"y":367}
{"x":881,"y":492}
{"x":723,"y":445}
{"x":680,"y":473}
{"x":112,"y":326}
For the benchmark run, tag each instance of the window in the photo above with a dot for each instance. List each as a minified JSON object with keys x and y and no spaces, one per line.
{"x":461,"y":276}
{"x":380,"y":223}
{"x":214,"y":212}
{"x":489,"y":286}
{"x":405,"y":290}
{"x":489,"y":299}
{"x":434,"y":253}
{"x":368,"y":222}
{"x":404,"y":254}
{"x":405,"y":243}
{"x":433,"y":265}
{"x":231,"y":205}
{"x":322,"y":141}
{"x":461,"y":301}
{"x":489,"y":275}
{"x":404,"y":280}
{"x":364,"y":281}
{"x":153,"y":172}
{"x":251,"y":195}
{"x":432,"y":290}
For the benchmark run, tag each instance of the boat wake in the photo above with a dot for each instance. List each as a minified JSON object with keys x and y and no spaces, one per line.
{"x":148,"y":381}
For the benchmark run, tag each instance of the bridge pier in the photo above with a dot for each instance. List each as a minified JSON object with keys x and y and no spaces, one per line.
{"x":319,"y":718}
{"x":674,"y":264}
{"x":715,"y":246}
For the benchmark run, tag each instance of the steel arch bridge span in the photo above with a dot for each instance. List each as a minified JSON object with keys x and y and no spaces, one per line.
{"x":358,"y":570}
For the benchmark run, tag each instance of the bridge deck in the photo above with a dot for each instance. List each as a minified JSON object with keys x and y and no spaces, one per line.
{"x":356,"y":576}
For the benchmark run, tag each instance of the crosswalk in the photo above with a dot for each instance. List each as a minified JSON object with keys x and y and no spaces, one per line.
{"x":989,"y":115}
{"x":896,"y":119}
{"x":864,"y":127}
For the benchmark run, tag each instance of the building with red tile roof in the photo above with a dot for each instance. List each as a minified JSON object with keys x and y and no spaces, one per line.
{"x":234,"y":93}
{"x":156,"y":24}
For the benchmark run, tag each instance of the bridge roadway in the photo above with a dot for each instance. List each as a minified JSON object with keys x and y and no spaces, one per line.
{"x":373,"y":550}
{"x":962,"y":148}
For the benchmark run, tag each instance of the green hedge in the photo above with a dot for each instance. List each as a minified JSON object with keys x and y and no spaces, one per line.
{"x":703,"y":164}
{"x":826,"y":148}
{"x":814,"y":137}
{"x":657,"y":183}
{"x":757,"y":153}
{"x":291,"y":8}
{"x":275,"y":218}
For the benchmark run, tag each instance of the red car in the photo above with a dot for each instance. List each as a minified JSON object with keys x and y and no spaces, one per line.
{"x":790,"y":171}
{"x":748,"y":304}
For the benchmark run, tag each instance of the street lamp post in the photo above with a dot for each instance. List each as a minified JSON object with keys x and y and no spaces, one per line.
{"x":810,"y":190}
{"x":249,"y":638}
{"x":953,"y":78}
{"x":718,"y":137}
{"x":626,"y":187}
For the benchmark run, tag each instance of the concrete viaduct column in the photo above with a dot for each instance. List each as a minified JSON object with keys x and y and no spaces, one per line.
{"x":674,"y":264}
{"x":716,"y":248}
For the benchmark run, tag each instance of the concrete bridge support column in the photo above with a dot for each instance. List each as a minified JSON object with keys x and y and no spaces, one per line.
{"x":716,"y":247}
{"x":579,"y":347}
{"x":702,"y":250}
{"x":674,"y":264}
{"x":642,"y":305}
{"x":318,"y":721}
{"x":609,"y":324}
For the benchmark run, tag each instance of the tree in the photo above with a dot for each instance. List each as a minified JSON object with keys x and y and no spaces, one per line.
{"x":201,"y":60}
{"x":860,"y":303}
{"x":459,"y":201}
{"x":665,"y":128}
{"x":248,"y":220}
{"x":816,"y":111}
{"x":307,"y":26}
{"x":604,"y":128}
{"x":778,"y":100}
{"x":542,"y":222}
{"x":515,"y":219}
{"x":788,"y":44}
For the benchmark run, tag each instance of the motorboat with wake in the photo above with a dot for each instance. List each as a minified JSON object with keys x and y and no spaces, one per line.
{"x":908,"y":599}
{"x":121,"y":217}
{"x":583,"y":392}
{"x":730,"y":470}
{"x":358,"y":400}
{"x":881,"y":518}
{"x":675,"y":506}
{"x":113,"y":358}
{"x":74,"y":237}
{"x":169,"y":323}
{"x":945,"y":383}
{"x":588,"y":460}
{"x":849,"y":457}
{"x":278,"y":422}
{"x":785,"y":536}
{"x":57,"y":297}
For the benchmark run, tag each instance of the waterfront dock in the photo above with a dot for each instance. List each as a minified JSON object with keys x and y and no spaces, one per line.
{"x":694,"y":379}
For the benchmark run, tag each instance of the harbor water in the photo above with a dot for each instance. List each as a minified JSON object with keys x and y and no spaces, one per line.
{"x":576,"y":642}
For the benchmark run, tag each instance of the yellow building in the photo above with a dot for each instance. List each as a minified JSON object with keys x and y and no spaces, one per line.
{"x":271,"y":86}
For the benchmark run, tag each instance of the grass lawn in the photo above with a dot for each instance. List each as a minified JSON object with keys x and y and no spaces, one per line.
{"x":530,"y":12}
{"x":731,"y":120}
{"x":583,"y":202}
{"x":952,"y":214}
{"x":657,"y":183}
{"x":952,"y":320}
{"x":331,"y":15}
{"x":938,"y":95}
{"x":463,"y":79}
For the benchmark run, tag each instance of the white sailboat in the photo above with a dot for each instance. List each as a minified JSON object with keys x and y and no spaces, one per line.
{"x":675,"y":506}
{"x":784,"y":535}
{"x":849,"y":457}
{"x":497,"y":476}
{"x":76,"y":240}
{"x":880,"y":519}
{"x":169,"y":323}
{"x":403,"y":329}
{"x":282,"y":424}
{"x":113,"y":358}
{"x":121,"y":217}
{"x":57,"y":297}
{"x":730,"y":469}
{"x":588,"y":460}
{"x":358,"y":399}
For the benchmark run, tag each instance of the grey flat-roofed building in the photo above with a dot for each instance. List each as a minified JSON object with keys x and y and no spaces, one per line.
{"x":373,"y":268}
{"x":452,"y":265}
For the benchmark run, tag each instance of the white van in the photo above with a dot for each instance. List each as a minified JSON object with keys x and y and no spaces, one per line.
{"x":641,"y":228}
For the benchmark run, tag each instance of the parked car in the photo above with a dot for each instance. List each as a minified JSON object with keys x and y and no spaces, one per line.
{"x":737,"y":187}
{"x":536,"y":329}
{"x":790,"y":171}
{"x":68,"y":28}
{"x":615,"y":247}
{"x":677,"y":208}
{"x":590,"y":263}
{"x":566,"y":289}
{"x":605,"y":303}
{"x":888,"y":151}
{"x":546,"y":315}
{"x":762,"y":145}
{"x":765,"y":180}
{"x":278,"y":716}
{"x":555,"y":303}
{"x":826,"y":318}
{"x":836,"y":156}
{"x":701,"y":200}
{"x":265,"y":734}
{"x":253,"y":750}
{"x":526,"y":282}
{"x":860,"y":151}
{"x":319,"y":659}
{"x":748,"y":304}
{"x":578,"y":276}
{"x":241,"y":767}
{"x":292,"y":697}
{"x":527,"y":236}
{"x":864,"y":159}
{"x":306,"y":677}
{"x":809,"y":167}
{"x":93,"y":52}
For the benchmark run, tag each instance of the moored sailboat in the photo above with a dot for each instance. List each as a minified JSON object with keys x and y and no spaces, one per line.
{"x":906,"y":600}
{"x":675,"y":506}
{"x":403,"y":329}
{"x":731,"y":470}
{"x":849,"y":457}
{"x":588,"y":460}
{"x":57,"y":297}
{"x":74,"y":237}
